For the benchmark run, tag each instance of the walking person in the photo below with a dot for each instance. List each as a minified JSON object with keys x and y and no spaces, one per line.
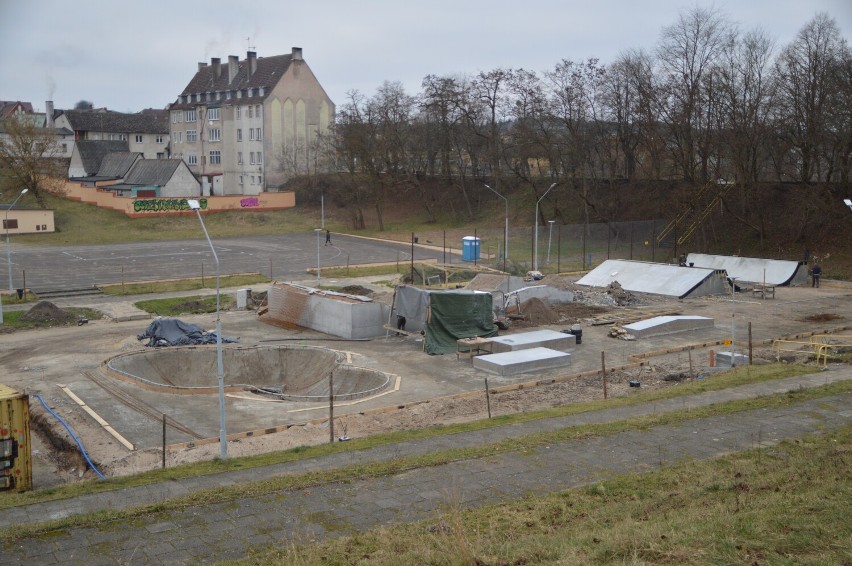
{"x":327,"y":238}
{"x":816,"y":273}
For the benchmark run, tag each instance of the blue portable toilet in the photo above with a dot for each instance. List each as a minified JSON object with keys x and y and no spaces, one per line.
{"x":470,"y":248}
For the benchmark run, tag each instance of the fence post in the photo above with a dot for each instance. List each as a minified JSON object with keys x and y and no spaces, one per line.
{"x":603,"y":371}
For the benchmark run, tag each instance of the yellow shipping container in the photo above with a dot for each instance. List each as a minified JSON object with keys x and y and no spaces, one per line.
{"x":16,"y":471}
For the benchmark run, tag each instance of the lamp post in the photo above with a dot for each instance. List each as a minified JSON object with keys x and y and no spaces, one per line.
{"x":535,"y":242}
{"x":318,"y":231}
{"x":8,"y":246}
{"x":549,"y":239}
{"x":220,"y":372}
{"x":506,"y":229}
{"x":848,"y":202}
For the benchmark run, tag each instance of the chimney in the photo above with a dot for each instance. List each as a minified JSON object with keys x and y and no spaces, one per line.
{"x":215,"y":62}
{"x":297,"y":54}
{"x":233,"y":67}
{"x":48,"y":111}
{"x":201,"y":65}
{"x":251,"y":57}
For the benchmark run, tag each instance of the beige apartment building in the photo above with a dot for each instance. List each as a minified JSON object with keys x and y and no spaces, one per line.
{"x":245,"y":127}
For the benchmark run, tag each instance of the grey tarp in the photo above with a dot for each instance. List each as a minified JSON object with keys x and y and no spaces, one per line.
{"x":175,"y":332}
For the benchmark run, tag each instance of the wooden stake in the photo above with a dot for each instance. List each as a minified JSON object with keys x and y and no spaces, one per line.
{"x":603,"y":372}
{"x":164,"y":441}
{"x":691,"y":373}
{"x":487,"y":398}
{"x":331,"y":407}
{"x":749,"y":343}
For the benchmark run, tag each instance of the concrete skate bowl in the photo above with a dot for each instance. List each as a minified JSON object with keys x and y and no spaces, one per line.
{"x":294,"y":373}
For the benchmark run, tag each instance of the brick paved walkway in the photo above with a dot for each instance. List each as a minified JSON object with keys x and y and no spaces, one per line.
{"x":210,"y":533}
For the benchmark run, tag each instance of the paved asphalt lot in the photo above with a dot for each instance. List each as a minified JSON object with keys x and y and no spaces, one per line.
{"x":286,"y":257}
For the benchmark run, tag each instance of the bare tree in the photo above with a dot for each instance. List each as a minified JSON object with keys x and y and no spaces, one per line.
{"x":807,"y":73}
{"x":687,"y":51}
{"x":30,"y":157}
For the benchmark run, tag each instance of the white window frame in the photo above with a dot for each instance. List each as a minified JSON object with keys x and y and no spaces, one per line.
{"x":191,"y":136}
{"x":257,"y":111}
{"x":239,"y":158}
{"x":250,"y":111}
{"x":215,"y":157}
{"x":251,"y":158}
{"x":213,"y":114}
{"x":260,"y":158}
{"x":251,"y":134}
{"x":260,"y":134}
{"x":215,"y":134}
{"x":238,"y":111}
{"x":160,"y":139}
{"x":139,"y":138}
{"x":191,"y":159}
{"x":190,"y":116}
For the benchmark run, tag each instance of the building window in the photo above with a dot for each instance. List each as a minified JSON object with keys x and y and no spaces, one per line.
{"x":64,"y":148}
{"x":251,"y":133}
{"x":259,"y":134}
{"x":260,"y":158}
{"x":257,"y":111}
{"x":215,"y":157}
{"x":239,"y":158}
{"x":252,"y":179}
{"x":251,"y":111}
{"x":190,"y":136}
{"x":138,"y":138}
{"x":215,"y":134}
{"x":260,"y":179}
{"x":192,"y":159}
{"x":159,"y":139}
{"x":213,"y":113}
{"x":239,"y":134}
{"x":238,"y":111}
{"x":178,"y":137}
{"x":251,"y":158}
{"x":175,"y":117}
{"x":241,"y":179}
{"x":189,"y":116}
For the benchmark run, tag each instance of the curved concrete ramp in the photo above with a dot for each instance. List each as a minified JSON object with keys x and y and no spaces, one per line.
{"x":657,"y":278}
{"x":754,"y":269}
{"x":298,"y":373}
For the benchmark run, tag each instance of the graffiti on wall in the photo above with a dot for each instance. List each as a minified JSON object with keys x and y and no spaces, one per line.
{"x":164,"y":205}
{"x":249,"y":202}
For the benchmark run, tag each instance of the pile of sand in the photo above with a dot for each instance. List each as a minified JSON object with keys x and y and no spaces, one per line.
{"x":535,"y":311}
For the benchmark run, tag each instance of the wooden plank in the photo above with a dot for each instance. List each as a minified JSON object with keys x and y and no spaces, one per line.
{"x":106,"y":426}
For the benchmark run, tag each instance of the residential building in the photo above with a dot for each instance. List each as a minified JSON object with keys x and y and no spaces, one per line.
{"x":157,"y":178}
{"x":43,"y":122}
{"x":248,"y":126}
{"x":145,"y":132}
{"x":87,"y":156}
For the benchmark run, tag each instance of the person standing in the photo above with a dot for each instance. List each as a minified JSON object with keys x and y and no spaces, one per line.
{"x":816,"y":273}
{"x":327,"y":237}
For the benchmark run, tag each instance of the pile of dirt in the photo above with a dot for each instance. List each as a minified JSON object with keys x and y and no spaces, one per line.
{"x":45,"y":311}
{"x":356,"y":290}
{"x":534,"y":311}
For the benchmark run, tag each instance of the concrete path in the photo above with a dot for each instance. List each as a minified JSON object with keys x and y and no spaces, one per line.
{"x":210,"y":533}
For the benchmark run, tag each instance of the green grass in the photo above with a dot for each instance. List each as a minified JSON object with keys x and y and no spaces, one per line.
{"x":80,"y":223}
{"x":401,"y":464}
{"x":175,"y":306}
{"x":12,"y":319}
{"x":787,"y":504}
{"x":12,"y":298}
{"x":190,"y":284}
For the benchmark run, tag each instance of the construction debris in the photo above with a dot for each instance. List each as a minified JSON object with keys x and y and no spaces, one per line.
{"x":619,"y":333}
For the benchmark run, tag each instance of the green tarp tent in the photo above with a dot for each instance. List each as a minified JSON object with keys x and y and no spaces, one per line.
{"x":452,"y":316}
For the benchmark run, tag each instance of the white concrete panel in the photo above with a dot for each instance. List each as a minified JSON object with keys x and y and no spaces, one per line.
{"x":657,"y":278}
{"x":660,"y":325}
{"x":522,"y":361}
{"x":535,"y":339}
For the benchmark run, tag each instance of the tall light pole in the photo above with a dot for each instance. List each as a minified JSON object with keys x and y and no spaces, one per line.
{"x":318,"y":231}
{"x":535,"y":242}
{"x":506,"y":230}
{"x":220,"y":372}
{"x":549,"y":239}
{"x":8,"y":246}
{"x":848,"y":202}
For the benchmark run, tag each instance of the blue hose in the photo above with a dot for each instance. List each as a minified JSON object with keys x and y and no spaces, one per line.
{"x":71,"y":432}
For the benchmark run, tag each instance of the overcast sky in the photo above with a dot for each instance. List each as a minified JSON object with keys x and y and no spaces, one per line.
{"x":129,"y":56}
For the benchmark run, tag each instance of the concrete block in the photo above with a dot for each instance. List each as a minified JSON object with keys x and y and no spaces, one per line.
{"x":660,"y":325}
{"x":535,"y":339}
{"x":522,"y":361}
{"x":724,"y":359}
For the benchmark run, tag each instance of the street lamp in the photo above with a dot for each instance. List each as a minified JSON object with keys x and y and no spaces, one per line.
{"x":549,"y":239}
{"x":318,"y":231}
{"x":8,"y":247}
{"x":506,"y":230}
{"x":220,"y":372}
{"x":848,"y":202}
{"x":535,"y":243}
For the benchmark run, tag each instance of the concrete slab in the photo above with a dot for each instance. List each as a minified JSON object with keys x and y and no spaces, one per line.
{"x":657,"y":278}
{"x":522,"y":361}
{"x":754,"y":269}
{"x":660,"y":325}
{"x":729,"y":359}
{"x":535,"y":339}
